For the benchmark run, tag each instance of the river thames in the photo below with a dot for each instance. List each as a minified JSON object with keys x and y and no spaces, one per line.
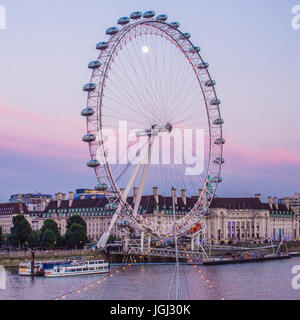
{"x":260,"y":280}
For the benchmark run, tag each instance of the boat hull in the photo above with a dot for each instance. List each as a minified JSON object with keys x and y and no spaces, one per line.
{"x":72,"y":274}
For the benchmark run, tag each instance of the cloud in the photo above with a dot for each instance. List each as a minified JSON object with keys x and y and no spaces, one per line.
{"x":23,"y":131}
{"x":259,"y":158}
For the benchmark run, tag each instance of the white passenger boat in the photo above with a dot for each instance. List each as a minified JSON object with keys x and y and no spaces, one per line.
{"x":77,"y":268}
{"x":39,"y":267}
{"x":25,"y":269}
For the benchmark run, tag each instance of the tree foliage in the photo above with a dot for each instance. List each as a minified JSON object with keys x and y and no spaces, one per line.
{"x":34,"y":239}
{"x":48,"y":239}
{"x":76,"y":236}
{"x":50,"y":225}
{"x":78,"y":220}
{"x":111,"y":239}
{"x":21,"y":231}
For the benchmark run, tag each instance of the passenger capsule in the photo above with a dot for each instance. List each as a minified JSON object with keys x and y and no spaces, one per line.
{"x":219,"y":161}
{"x":89,"y":87}
{"x":175,"y":24}
{"x":87,"y":112}
{"x":220,"y":141}
{"x":111,"y":206}
{"x":210,"y":83}
{"x":101,"y":187}
{"x":215,"y":102}
{"x":203,"y":65}
{"x":93,"y":164}
{"x":102,"y":45}
{"x":123,"y":223}
{"x":136,"y":15}
{"x":194,"y":50}
{"x":94,"y":64}
{"x":149,"y":14}
{"x":112,"y":31}
{"x":184,"y":36}
{"x":162,"y":17}
{"x":124,"y":20}
{"x":89,"y":138}
{"x":219,"y":121}
{"x":216,"y":180}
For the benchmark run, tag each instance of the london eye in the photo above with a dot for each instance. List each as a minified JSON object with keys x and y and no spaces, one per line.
{"x":153,"y":120}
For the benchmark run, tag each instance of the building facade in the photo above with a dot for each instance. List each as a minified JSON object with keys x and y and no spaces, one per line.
{"x":230,"y":220}
{"x":249,"y":219}
{"x":8,"y":211}
{"x":293,"y":202}
{"x":36,"y":202}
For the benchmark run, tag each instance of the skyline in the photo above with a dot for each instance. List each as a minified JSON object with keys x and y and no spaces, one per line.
{"x":41,"y":127}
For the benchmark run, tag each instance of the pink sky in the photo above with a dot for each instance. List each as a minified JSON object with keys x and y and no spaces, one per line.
{"x":33,"y":133}
{"x":253,"y":54}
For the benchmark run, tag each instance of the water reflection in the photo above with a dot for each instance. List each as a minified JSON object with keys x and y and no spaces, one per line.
{"x":262,"y":280}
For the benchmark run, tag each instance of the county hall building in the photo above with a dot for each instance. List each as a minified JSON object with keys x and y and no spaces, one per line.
{"x":230,"y":220}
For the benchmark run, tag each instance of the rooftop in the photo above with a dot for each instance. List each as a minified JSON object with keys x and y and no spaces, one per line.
{"x":13,"y":208}
{"x":149,"y":204}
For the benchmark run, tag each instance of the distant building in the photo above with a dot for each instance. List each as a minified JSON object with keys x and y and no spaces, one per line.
{"x":249,"y":219}
{"x":36,"y":202}
{"x":293,"y":202}
{"x":229,"y":220}
{"x":88,"y":194}
{"x":10,"y":210}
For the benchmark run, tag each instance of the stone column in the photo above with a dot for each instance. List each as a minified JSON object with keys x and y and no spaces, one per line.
{"x":225,"y":230}
{"x":248,"y":225}
{"x":142,"y":241}
{"x":126,"y":244}
{"x":198,"y":240}
{"x":149,"y":242}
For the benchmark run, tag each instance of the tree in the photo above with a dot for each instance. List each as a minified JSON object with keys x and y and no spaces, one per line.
{"x":21,"y":231}
{"x":50,"y":225}
{"x":78,"y":220}
{"x":111,"y":239}
{"x":34,"y":239}
{"x":76,"y":236}
{"x":48,"y":239}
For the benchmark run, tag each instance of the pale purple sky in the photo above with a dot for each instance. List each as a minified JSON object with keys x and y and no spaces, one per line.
{"x":254,"y":57}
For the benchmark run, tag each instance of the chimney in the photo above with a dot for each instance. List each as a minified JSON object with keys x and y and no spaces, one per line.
{"x":183,"y":196}
{"x":59,"y":199}
{"x":200,"y":191}
{"x":155,"y":194}
{"x":135,"y":192}
{"x":122,"y":190}
{"x":56,"y":196}
{"x":71,"y":198}
{"x":63,"y":196}
{"x":174,"y":195}
{"x":275,"y":201}
{"x":258,"y":196}
{"x":287,"y":203}
{"x":270,"y":202}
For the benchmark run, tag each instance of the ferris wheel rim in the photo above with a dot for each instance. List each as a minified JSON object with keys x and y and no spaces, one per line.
{"x":115,"y":41}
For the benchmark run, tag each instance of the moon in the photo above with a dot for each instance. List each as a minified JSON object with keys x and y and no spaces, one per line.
{"x":145,"y":49}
